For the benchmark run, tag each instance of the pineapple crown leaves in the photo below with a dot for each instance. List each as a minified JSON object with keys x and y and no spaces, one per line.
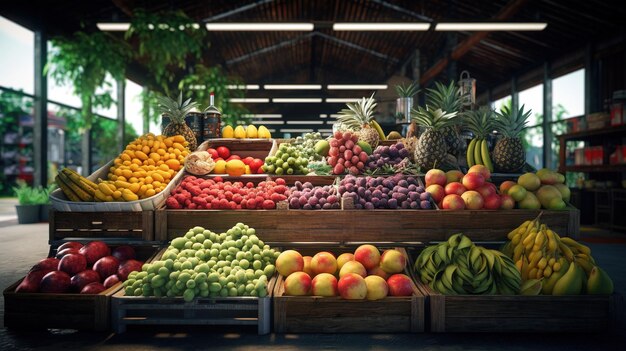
{"x":435,"y":119}
{"x":358,"y":114}
{"x":175,"y":109}
{"x":447,"y":98}
{"x":480,"y":122}
{"x":510,"y":123}
{"x":405,"y":91}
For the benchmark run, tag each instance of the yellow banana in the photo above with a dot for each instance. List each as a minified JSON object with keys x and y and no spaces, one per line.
{"x":477,"y":157}
{"x":484,"y":154}
{"x":552,"y":244}
{"x":573,"y":243}
{"x":567,"y":252}
{"x":470,"y":153}
{"x":379,"y":130}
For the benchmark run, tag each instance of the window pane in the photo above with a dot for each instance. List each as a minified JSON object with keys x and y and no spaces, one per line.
{"x":568,"y":95}
{"x":16,"y":140}
{"x":532,"y":139}
{"x":61,"y":93}
{"x":532,"y":99}
{"x":17,"y":66}
{"x":498,"y":104}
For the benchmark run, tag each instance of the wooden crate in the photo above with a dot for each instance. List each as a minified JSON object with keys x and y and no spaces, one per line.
{"x":345,"y":226}
{"x":244,"y":310}
{"x":289,"y":179}
{"x":257,"y":148}
{"x":516,"y":313}
{"x":316,"y":314}
{"x":62,"y":311}
{"x":102,"y":225}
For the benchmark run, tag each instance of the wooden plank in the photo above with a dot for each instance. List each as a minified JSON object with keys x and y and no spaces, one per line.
{"x":496,"y":306}
{"x":127,"y":225}
{"x":544,"y":325}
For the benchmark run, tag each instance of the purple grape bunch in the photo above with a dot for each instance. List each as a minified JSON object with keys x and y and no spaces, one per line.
{"x":387,"y":155}
{"x":305,"y":196}
{"x":395,"y":192}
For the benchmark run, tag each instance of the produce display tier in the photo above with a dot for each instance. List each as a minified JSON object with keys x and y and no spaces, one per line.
{"x":63,"y":311}
{"x":315,"y":314}
{"x":345,"y":226}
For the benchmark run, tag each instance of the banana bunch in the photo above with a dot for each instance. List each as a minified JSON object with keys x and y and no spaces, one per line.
{"x":457,"y":266}
{"x":559,"y":265}
{"x":478,"y":154}
{"x":75,"y":187}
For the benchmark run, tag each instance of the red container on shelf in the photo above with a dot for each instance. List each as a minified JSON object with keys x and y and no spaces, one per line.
{"x":618,"y":108}
{"x":588,"y":156}
{"x":597,"y":155}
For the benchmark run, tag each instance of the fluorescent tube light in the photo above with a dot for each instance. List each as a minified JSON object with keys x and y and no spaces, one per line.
{"x":249,"y":100}
{"x":298,"y":100}
{"x":323,"y":115}
{"x":325,"y":130}
{"x":306,"y":27}
{"x":270,"y":122}
{"x":305,"y":122}
{"x":243,"y":87}
{"x":356,"y":86}
{"x":296,"y":130}
{"x":334,"y":115}
{"x":381,"y":26}
{"x":113,"y":27}
{"x":342,"y":100}
{"x":491,"y":26}
{"x":292,"y":87}
{"x":262,"y":115}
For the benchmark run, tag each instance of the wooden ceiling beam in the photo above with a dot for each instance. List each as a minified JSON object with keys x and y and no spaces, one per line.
{"x":466,"y":45}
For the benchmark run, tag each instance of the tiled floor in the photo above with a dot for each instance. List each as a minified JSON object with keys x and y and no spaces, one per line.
{"x":23,"y":245}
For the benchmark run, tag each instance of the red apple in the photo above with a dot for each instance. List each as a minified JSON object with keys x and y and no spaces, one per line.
{"x":233,"y":157}
{"x":94,"y":250}
{"x":127,"y":267}
{"x":487,"y":190}
{"x":106,"y":266}
{"x":492,"y":202}
{"x":81,"y":279}
{"x":123,"y":253}
{"x":31,"y":282}
{"x":70,"y":244}
{"x":506,"y":185}
{"x":352,"y":287}
{"x":247,"y":160}
{"x":507,"y":202}
{"x":223,"y":152}
{"x":455,"y":188}
{"x":111,"y":280}
{"x":368,"y":255}
{"x":67,"y":251}
{"x":473,"y":200}
{"x":453,"y":202}
{"x":213,"y":152}
{"x":72,"y":264}
{"x":436,"y":192}
{"x":473,"y":181}
{"x":47,"y":264}
{"x":93,"y":288}
{"x":400,"y":285}
{"x":480,"y":169}
{"x":256,"y":164}
{"x":55,"y":282}
{"x":435,"y":176}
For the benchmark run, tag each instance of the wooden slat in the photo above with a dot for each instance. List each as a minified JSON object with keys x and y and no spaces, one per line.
{"x":127,"y":225}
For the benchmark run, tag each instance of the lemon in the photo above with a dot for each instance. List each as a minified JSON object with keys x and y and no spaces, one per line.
{"x":228,"y":132}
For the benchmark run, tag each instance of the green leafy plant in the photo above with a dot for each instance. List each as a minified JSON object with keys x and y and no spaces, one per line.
{"x":27,"y":195}
{"x":408,"y":90}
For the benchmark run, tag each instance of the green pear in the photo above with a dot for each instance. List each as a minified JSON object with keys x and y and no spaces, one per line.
{"x":566,"y":194}
{"x":571,"y":283}
{"x":530,"y":202}
{"x":599,"y":282}
{"x":550,"y":197}
{"x":322,"y":147}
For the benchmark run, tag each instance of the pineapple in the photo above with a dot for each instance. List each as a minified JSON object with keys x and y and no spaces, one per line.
{"x":431,"y":147}
{"x":176,"y":111}
{"x":447,"y":98}
{"x":360,"y":117}
{"x":480,"y":122}
{"x":509,"y":154}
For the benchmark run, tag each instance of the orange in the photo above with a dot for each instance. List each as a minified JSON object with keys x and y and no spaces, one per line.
{"x":235,"y":168}
{"x":220,"y":167}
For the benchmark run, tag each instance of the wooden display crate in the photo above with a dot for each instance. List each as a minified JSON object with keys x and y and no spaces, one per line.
{"x":244,"y":310}
{"x":62,"y":311}
{"x":257,"y":148}
{"x":316,"y":314}
{"x":516,"y":313}
{"x":345,"y":226}
{"x":102,"y":225}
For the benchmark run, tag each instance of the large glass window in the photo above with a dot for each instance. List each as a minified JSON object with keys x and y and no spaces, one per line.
{"x":568,"y":95}
{"x":498,"y":104}
{"x":532,"y":99}
{"x":17,"y":65}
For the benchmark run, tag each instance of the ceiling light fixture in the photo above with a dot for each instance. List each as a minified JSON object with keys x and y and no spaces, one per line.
{"x":381,"y":26}
{"x":262,"y":115}
{"x":271,"y":122}
{"x":296,"y":130}
{"x":298,"y":100}
{"x":249,"y":100}
{"x":302,"y":27}
{"x":491,"y":26}
{"x":323,"y":115}
{"x":243,"y":87}
{"x":305,"y":122}
{"x":113,"y":27}
{"x":292,"y":87}
{"x":357,"y":86}
{"x":342,"y":100}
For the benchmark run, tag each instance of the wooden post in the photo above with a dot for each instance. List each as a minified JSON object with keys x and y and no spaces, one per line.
{"x":547,"y":116}
{"x":121,"y":113}
{"x":514,"y":94}
{"x":40,"y":140}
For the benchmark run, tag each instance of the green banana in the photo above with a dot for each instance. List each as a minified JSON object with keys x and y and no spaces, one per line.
{"x":484,"y":154}
{"x":477,"y":157}
{"x":470,"y":153}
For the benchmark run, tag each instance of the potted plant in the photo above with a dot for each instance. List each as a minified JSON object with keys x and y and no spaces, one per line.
{"x":404,"y":102}
{"x":28,"y":207}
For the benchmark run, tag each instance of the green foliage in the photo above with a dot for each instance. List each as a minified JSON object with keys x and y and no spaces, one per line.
{"x":12,"y":106}
{"x":27,"y":195}
{"x":166,"y":44}
{"x":84,"y":60}
{"x":208,"y":80}
{"x":408,"y":90}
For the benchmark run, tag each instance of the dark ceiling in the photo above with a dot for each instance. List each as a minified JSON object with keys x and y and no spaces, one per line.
{"x":325,"y":56}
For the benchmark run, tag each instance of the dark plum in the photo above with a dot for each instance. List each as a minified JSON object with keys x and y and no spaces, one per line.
{"x":425,"y":196}
{"x":426,"y":205}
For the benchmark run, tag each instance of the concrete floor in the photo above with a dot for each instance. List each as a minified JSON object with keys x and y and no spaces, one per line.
{"x":23,"y":245}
